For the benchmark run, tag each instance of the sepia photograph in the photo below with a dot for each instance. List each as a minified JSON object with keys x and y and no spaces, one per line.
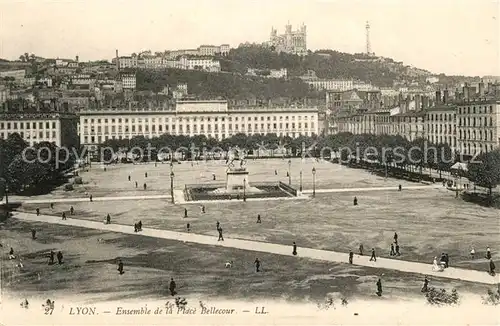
{"x":249,"y":162}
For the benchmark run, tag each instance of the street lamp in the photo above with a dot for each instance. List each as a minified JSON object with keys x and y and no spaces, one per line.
{"x":300,"y":187}
{"x":244,"y":189}
{"x":172,"y":186}
{"x":289,"y":173}
{"x":314,"y":181}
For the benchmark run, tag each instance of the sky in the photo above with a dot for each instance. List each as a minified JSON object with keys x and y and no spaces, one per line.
{"x":455,"y":37}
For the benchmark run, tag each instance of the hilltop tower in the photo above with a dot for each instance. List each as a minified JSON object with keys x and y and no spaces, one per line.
{"x":368,"y":45}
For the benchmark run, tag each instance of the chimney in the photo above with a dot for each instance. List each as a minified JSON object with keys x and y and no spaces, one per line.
{"x":117,"y":61}
{"x":481,"y":88}
{"x":445,"y":96}
{"x":438,"y":97}
{"x":466,"y":91}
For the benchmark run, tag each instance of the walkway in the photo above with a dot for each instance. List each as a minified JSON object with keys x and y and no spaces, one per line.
{"x":394,"y":188}
{"x":84,"y":199}
{"x":324,"y":255}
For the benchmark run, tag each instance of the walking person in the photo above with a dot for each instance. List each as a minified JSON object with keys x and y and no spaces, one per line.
{"x":361,"y":249}
{"x":33,"y":234}
{"x":257,"y":265}
{"x":294,"y":252}
{"x":379,"y":287}
{"x":472,"y":253}
{"x":188,"y":227}
{"x":139,"y":226}
{"x":108,"y":219}
{"x":258,"y":219}
{"x":129,"y":177}
{"x":203,"y":209}
{"x":51,"y":257}
{"x":59,"y":257}
{"x":395,"y":237}
{"x":217,"y":226}
{"x":136,"y":184}
{"x":52,"y":205}
{"x":447,"y":260}
{"x":38,"y":212}
{"x":172,"y":286}
{"x":145,"y":175}
{"x":185,"y":213}
{"x":488,"y":253}
{"x":11,"y":253}
{"x":71,"y":210}
{"x":144,"y":185}
{"x":397,"y":249}
{"x":221,"y":238}
{"x":120,"y":267}
{"x":351,"y":256}
{"x":90,"y":197}
{"x":355,"y":201}
{"x":63,"y":215}
{"x":399,"y":187}
{"x":392,"y":253}
{"x":373,"y":257}
{"x":425,"y":286}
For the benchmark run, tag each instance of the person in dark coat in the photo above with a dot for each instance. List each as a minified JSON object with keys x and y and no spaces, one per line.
{"x":399,"y":187}
{"x":129,"y":178}
{"x":275,"y":172}
{"x":492,"y":267}
{"x":63,"y":215}
{"x":447,"y":260}
{"x":172,"y":286}
{"x":145,"y":186}
{"x":488,"y":253}
{"x":51,"y":257}
{"x":203,"y":209}
{"x":136,"y":184}
{"x":108,"y":219}
{"x":373,"y":257}
{"x":145,"y":175}
{"x":395,"y":237}
{"x":11,"y":253}
{"x":185,"y":212}
{"x":59,"y":257}
{"x":221,"y":238}
{"x":135,"y":227}
{"x":217,"y":225}
{"x":33,"y":234}
{"x":355,"y":201}
{"x":90,"y":197}
{"x":71,"y":210}
{"x":294,"y":252}
{"x":52,"y":205}
{"x":38,"y":212}
{"x":392,"y":253}
{"x":397,"y":250}
{"x":379,"y":287}
{"x":258,"y":219}
{"x":351,"y":256}
{"x":425,"y":286}
{"x":120,"y":267}
{"x":361,"y":249}
{"x":139,"y":226}
{"x":257,"y":265}
{"x":188,"y":227}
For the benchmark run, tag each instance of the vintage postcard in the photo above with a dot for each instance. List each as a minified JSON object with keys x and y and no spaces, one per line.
{"x":249,"y":162}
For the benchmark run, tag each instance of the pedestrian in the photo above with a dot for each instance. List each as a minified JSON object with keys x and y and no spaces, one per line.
{"x":379,"y":287}
{"x":33,"y":234}
{"x":472,"y":253}
{"x":361,"y":249}
{"x":217,"y":225}
{"x":129,"y":177}
{"x":393,"y":253}
{"x":120,"y":267}
{"x":145,"y":175}
{"x":145,"y":186}
{"x":11,"y":253}
{"x":355,"y":201}
{"x":71,"y":210}
{"x":258,"y":219}
{"x":108,"y":219}
{"x":172,"y":287}
{"x":51,"y":257}
{"x":213,"y":176}
{"x":488,"y":253}
{"x":373,"y":257}
{"x":188,"y":226}
{"x":63,"y":215}
{"x":59,"y":257}
{"x":351,"y":256}
{"x":135,"y":227}
{"x":221,"y":238}
{"x":257,"y":265}
{"x":287,"y":174}
{"x":52,"y":205}
{"x":395,"y":237}
{"x":399,"y":187}
{"x":425,"y":286}
{"x":447,"y":260}
{"x":294,"y":252}
{"x":185,"y":212}
{"x":38,"y":212}
{"x":203,"y":209}
{"x":275,"y":172}
{"x":139,"y":226}
{"x":397,"y":250}
{"x":136,"y":184}
{"x":90,"y":197}
{"x":492,"y":267}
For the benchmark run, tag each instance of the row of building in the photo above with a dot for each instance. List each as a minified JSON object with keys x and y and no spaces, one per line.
{"x":162,"y":62}
{"x":469,"y":123}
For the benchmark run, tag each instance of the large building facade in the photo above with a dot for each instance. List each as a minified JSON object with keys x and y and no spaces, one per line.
{"x":294,"y":42}
{"x":210,"y":118}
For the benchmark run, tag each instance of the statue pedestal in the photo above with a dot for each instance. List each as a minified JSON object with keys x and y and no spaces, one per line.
{"x":237,"y":179}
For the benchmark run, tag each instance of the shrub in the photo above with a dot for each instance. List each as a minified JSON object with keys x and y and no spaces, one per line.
{"x":493,"y":298}
{"x":68,"y":187}
{"x":78,"y":180}
{"x":442,"y":297}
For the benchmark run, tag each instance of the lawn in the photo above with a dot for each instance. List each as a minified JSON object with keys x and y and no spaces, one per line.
{"x":428,"y":222}
{"x":90,"y":272}
{"x":114,"y":181}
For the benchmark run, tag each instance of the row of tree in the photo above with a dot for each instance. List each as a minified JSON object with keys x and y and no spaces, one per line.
{"x":32,"y":171}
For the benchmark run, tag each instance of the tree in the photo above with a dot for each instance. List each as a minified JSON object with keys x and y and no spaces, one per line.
{"x":484,"y":171}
